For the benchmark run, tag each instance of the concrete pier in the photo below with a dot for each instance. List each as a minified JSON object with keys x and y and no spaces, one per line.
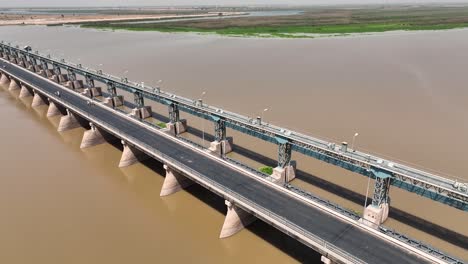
{"x":374,"y":216}
{"x":177,"y":127}
{"x":37,"y":100}
{"x":142,"y":113}
{"x":92,"y":137}
{"x":174,"y":182}
{"x":224,"y":145}
{"x":236,"y":219}
{"x":286,"y":174}
{"x":68,"y":122}
{"x":4,"y":80}
{"x":115,"y":101}
{"x":130,"y":155}
{"x":92,"y":92}
{"x":53,"y":110}
{"x":13,"y":85}
{"x":24,"y":92}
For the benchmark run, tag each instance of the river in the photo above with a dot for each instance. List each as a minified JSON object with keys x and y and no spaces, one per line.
{"x":404,"y":93}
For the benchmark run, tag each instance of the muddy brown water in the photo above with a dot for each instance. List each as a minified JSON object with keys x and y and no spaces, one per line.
{"x":405,"y":93}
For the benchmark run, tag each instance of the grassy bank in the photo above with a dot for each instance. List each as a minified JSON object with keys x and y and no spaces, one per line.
{"x":285,"y":31}
{"x":327,"y":21}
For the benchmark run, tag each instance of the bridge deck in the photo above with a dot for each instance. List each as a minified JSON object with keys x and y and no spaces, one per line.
{"x":347,"y":237}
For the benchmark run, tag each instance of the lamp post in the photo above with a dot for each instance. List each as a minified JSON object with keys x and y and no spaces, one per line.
{"x":263,"y":112}
{"x":203,"y":120}
{"x":354,"y":139}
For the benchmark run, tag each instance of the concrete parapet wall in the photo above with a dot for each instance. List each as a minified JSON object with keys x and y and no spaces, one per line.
{"x":174,"y":182}
{"x":236,"y":219}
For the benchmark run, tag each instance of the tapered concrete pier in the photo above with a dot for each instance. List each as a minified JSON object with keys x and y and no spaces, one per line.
{"x":236,"y":219}
{"x":130,"y":155}
{"x":4,"y":80}
{"x":174,"y":182}
{"x":13,"y":85}
{"x":24,"y":92}
{"x":37,"y":100}
{"x":68,"y":122}
{"x":53,"y":110}
{"x":92,"y":137}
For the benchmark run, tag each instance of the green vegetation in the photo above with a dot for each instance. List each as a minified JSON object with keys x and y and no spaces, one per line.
{"x":161,"y":125}
{"x":266,"y":169}
{"x":326,"y":21}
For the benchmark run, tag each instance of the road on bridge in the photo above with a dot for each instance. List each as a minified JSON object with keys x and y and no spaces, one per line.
{"x":345,"y":236}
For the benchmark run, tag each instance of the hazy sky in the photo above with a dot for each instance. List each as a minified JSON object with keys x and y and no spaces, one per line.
{"x":44,"y":3}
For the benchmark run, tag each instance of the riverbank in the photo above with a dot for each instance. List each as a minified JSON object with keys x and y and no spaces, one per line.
{"x":287,"y":32}
{"x":312,"y":22}
{"x":61,"y":19}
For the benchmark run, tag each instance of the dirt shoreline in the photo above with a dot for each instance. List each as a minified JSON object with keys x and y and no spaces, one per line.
{"x":40,"y":19}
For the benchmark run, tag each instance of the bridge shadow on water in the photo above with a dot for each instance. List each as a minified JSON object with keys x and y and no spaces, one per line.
{"x":284,"y":242}
{"x":419,"y":223}
{"x":274,"y":237}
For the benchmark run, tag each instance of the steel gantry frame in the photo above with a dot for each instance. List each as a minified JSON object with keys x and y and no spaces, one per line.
{"x":431,"y":186}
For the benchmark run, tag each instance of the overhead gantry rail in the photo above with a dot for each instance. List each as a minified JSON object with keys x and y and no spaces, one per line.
{"x":435,"y":187}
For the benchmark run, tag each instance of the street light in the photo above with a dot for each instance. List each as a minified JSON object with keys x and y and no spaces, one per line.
{"x":203,"y":120}
{"x":354,"y":138}
{"x":263,"y":112}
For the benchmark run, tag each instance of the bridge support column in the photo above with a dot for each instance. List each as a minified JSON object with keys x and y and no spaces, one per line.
{"x":376,"y":213}
{"x":92,"y":137}
{"x":221,"y":145}
{"x":174,"y":182}
{"x":286,"y":169}
{"x":13,"y":85}
{"x":4,"y":80}
{"x":236,"y":219}
{"x":130,"y":155}
{"x":53,"y":110}
{"x":175,"y":126}
{"x":24,"y":92}
{"x":142,"y":112}
{"x":37,"y":100}
{"x":68,"y":122}
{"x":115,"y":101}
{"x":92,"y":92}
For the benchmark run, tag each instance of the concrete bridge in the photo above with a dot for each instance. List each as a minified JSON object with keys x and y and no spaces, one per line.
{"x":339,"y":235}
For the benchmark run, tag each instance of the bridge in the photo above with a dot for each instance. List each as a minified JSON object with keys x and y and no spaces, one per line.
{"x":339,"y":235}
